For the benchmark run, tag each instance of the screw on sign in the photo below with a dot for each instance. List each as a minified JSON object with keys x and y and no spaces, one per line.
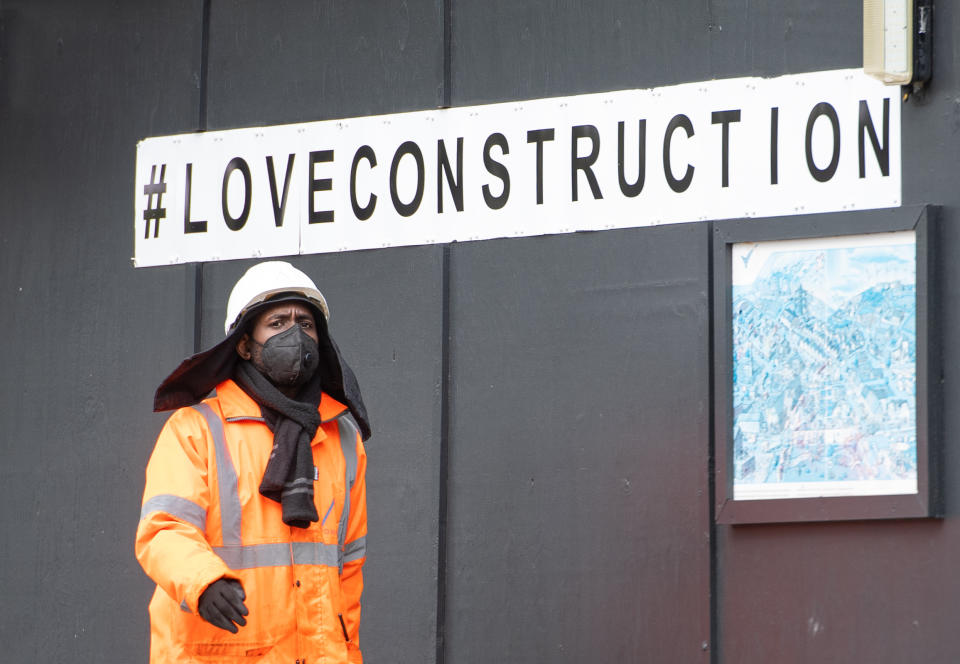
{"x":154,"y":193}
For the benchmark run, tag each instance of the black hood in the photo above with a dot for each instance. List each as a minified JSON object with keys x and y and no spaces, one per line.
{"x":197,"y":375}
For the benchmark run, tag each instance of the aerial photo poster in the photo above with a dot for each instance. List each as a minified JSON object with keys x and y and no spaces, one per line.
{"x":824,"y":367}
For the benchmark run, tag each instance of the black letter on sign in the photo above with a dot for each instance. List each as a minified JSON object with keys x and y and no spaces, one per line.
{"x":584,"y":163}
{"x":774,"y":144}
{"x":866,"y":122}
{"x":823,"y":108}
{"x":279,"y":206}
{"x":538,"y":136}
{"x":236,"y":223}
{"x":684,"y":183}
{"x":408,"y":147}
{"x":443,"y":167}
{"x":318,"y":184}
{"x":192,"y":226}
{"x":362,"y":213}
{"x":497,"y":169}
{"x":725,"y":118}
{"x":631,"y":190}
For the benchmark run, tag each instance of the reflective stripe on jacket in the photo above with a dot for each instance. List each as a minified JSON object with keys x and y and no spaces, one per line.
{"x":203,"y":518}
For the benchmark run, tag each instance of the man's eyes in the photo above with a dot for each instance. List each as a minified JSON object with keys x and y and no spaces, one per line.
{"x":280,"y":322}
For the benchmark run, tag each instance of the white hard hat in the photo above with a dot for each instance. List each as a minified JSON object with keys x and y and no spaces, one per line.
{"x":265,"y":280}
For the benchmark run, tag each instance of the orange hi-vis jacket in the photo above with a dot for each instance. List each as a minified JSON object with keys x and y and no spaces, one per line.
{"x":203,"y":518}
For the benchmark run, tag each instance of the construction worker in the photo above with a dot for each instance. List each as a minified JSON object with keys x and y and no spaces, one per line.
{"x":254,"y":523}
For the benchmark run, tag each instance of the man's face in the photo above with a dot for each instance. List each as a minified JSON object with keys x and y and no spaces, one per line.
{"x":276,"y":319}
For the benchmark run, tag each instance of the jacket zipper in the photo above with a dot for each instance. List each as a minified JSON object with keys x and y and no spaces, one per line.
{"x":344,"y":627}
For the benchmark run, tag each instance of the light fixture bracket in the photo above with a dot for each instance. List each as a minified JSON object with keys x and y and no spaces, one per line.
{"x":898,"y":41}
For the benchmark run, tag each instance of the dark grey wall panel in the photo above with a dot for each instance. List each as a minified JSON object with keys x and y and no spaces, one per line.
{"x":854,"y":592}
{"x":385,"y":314}
{"x":770,"y":38}
{"x":503,"y":50}
{"x":317,"y":59}
{"x":578,"y":526}
{"x":869,"y":592}
{"x":86,"y":337}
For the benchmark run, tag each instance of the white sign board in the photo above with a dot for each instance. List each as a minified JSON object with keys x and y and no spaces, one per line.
{"x":745,"y":147}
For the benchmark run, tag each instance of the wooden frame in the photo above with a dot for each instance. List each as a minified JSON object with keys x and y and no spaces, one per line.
{"x":768,"y":438}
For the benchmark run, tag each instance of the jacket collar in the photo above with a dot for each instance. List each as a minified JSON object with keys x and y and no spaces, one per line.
{"x":237,"y":404}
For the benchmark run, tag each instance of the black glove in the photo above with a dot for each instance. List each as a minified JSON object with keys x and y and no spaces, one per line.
{"x":221,"y":604}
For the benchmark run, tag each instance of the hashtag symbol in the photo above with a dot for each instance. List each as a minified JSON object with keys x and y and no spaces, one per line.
{"x":154,"y":192}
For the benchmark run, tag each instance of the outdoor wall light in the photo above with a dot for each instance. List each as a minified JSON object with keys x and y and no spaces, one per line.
{"x":898,"y":41}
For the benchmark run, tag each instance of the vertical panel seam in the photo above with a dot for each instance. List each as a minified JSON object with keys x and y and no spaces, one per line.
{"x":711,"y":450}
{"x":201,"y":126}
{"x":204,"y":64}
{"x":197,"y":307}
{"x":446,"y":96}
{"x":444,"y":448}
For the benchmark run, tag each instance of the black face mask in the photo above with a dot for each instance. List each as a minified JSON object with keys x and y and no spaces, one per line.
{"x":288,"y":359}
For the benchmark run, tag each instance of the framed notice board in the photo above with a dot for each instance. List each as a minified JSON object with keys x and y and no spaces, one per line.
{"x":826,"y":367}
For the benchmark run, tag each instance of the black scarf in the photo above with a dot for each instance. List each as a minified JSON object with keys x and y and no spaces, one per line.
{"x":288,"y":477}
